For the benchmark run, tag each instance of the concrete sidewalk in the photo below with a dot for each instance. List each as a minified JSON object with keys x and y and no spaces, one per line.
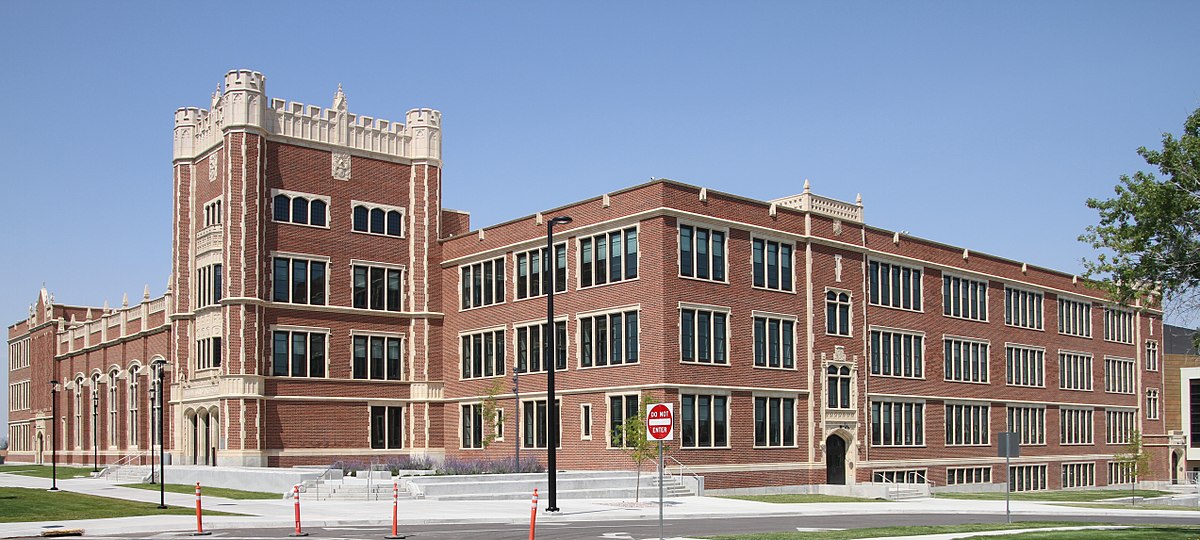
{"x":279,"y":513}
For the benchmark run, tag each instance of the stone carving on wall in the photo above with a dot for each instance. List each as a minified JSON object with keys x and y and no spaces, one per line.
{"x":341,"y":165}
{"x":837,"y":268}
{"x":212,"y":166}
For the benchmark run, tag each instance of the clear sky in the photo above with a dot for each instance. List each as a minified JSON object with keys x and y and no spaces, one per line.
{"x":979,"y":124}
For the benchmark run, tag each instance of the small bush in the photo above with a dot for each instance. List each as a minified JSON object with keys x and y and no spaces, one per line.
{"x":489,"y":466}
{"x":397,"y":464}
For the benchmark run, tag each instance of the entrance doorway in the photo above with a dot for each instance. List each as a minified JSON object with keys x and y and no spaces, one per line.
{"x":835,"y":460}
{"x":1175,"y":467}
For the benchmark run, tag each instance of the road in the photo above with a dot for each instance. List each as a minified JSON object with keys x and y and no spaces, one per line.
{"x":641,"y":529}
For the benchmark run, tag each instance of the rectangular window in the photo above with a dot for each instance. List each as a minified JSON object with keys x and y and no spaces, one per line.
{"x":387,"y":427}
{"x":701,"y":253}
{"x":608,"y":339}
{"x":1024,"y":366}
{"x":1074,"y":318}
{"x":1118,"y":325}
{"x":966,"y":361}
{"x":1194,"y":414}
{"x":1023,"y":308}
{"x":1152,"y":404}
{"x":533,"y":279}
{"x":897,"y":354}
{"x":620,"y":409}
{"x":208,"y":285}
{"x":377,"y":287}
{"x":967,"y":425}
{"x":837,"y":380}
{"x":703,"y":336}
{"x":901,"y":476}
{"x":968,"y":475}
{"x":1029,"y":423}
{"x":774,"y":342}
{"x":531,"y":347}
{"x":1074,"y":371}
{"x":481,"y":284}
{"x":535,"y":419}
{"x":299,"y":281}
{"x":837,"y":313}
{"x":1119,"y":473}
{"x":1027,"y":478}
{"x":208,"y":353}
{"x":772,"y":265}
{"x":1118,"y":375}
{"x":964,"y":298}
{"x":607,"y":257}
{"x":472,"y":425}
{"x":897,"y":423}
{"x":299,"y":208}
{"x":1075,"y":426}
{"x":1076,"y":475}
{"x":585,"y":421}
{"x":482,"y":354}
{"x":774,"y":421}
{"x":895,"y":286}
{"x":378,"y":358}
{"x":1151,"y":355}
{"x":704,"y":421}
{"x":1118,"y":424}
{"x":379,"y":219}
{"x":298,"y":354}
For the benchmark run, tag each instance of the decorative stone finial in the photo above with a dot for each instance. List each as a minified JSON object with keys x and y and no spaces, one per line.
{"x":966,"y":254}
{"x":858,"y":199}
{"x":896,"y":238}
{"x":806,"y":186}
{"x":124,"y":299}
{"x":146,"y":292}
{"x":540,"y":220}
{"x":703,"y":194}
{"x":89,"y":313}
{"x":339,"y":99}
{"x":1024,"y":268}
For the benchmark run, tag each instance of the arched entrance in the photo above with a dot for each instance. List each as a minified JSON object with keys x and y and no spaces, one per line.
{"x":41,"y":449}
{"x":214,"y":435}
{"x":835,"y":460}
{"x":1175,"y":467}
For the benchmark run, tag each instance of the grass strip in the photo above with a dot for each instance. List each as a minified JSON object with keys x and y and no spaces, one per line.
{"x":1143,"y":532}
{"x":793,"y":498}
{"x":876,"y":532}
{"x":26,"y":504}
{"x":190,"y":489}
{"x":1139,"y":506}
{"x":1085,"y":495}
{"x":45,"y":471}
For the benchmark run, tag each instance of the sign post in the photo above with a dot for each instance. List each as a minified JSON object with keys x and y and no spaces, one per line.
{"x":1009,"y":446}
{"x":660,"y":426}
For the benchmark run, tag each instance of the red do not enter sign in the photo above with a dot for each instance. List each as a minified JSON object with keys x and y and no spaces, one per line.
{"x":660,"y":421}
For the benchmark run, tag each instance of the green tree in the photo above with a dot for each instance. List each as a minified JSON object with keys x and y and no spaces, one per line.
{"x":1134,"y":458}
{"x":1148,"y":236}
{"x":490,"y":411}
{"x":631,"y":437}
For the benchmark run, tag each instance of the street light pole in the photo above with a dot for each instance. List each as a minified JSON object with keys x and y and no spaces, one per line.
{"x":517,"y":413}
{"x":54,"y":435}
{"x":95,"y":425}
{"x":551,"y":361}
{"x":162,"y":455}
{"x":153,"y":426}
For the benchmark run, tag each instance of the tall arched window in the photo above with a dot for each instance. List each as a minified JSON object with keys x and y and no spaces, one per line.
{"x":132,"y":396}
{"x":393,"y":223}
{"x":112,"y":407}
{"x":838,"y":387}
{"x":78,"y":412}
{"x":300,"y":210}
{"x":377,"y":221}
{"x":283,"y":208}
{"x":318,"y":213}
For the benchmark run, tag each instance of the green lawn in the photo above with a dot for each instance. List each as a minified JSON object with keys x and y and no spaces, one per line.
{"x":1139,"y":506}
{"x":799,"y":498}
{"x":24,"y":504}
{"x":43,"y":471}
{"x":209,"y":491}
{"x":1155,"y":532}
{"x":902,"y":531}
{"x":1087,"y":495}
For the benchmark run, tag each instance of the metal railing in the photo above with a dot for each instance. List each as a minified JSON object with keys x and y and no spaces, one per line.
{"x":894,"y":486}
{"x":124,"y":461}
{"x":683,"y":470}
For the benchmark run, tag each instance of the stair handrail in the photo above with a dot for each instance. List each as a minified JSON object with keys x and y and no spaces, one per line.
{"x":684,"y":469}
{"x":326,"y":475}
{"x":922,"y":478}
{"x":109,"y":469}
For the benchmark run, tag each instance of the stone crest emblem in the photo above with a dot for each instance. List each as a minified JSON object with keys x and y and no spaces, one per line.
{"x":341,"y":166}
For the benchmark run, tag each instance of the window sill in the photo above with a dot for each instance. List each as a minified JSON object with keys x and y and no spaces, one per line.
{"x":539,"y":297}
{"x":1042,"y":386}
{"x":698,"y":363}
{"x":704,"y":280}
{"x":726,"y":447}
{"x":850,"y":335}
{"x":462,"y":309}
{"x":1080,"y":336}
{"x":367,"y":233}
{"x":961,"y":318}
{"x":898,"y":446}
{"x":768,"y":289}
{"x":898,"y":308}
{"x":1019,"y":327}
{"x":579,"y":287}
{"x":585,"y":368}
{"x":898,"y":377}
{"x":775,"y":368}
{"x":756,"y":447}
{"x":311,"y":226}
{"x":985,"y":383}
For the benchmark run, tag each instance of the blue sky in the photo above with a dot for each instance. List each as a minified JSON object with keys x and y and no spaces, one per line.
{"x":980,"y":124}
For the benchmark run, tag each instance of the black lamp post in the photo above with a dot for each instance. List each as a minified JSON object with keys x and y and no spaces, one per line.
{"x":95,"y":425}
{"x":153,"y":393}
{"x":517,"y":413}
{"x":53,"y":436}
{"x":160,"y":365}
{"x":551,"y":358}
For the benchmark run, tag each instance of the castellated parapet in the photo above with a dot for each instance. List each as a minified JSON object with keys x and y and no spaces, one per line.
{"x":244,"y":105}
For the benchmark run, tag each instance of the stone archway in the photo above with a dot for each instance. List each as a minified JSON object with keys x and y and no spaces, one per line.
{"x":41,"y":449}
{"x":1176,"y":465}
{"x":214,"y":436}
{"x":835,"y":460}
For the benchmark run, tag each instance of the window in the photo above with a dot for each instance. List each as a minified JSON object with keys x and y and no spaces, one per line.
{"x":607,"y":258}
{"x":535,"y":422}
{"x":1024,"y":366}
{"x":897,"y":423}
{"x":1119,"y":472}
{"x":481,"y":284}
{"x":1118,"y":375}
{"x":473,"y":426}
{"x":1151,"y":355}
{"x":968,"y":475}
{"x":703,"y":336}
{"x":1152,"y":404}
{"x":1074,"y":318}
{"x":1023,"y":308}
{"x":208,"y":285}
{"x":966,"y":361}
{"x":837,"y":379}
{"x":299,"y":281}
{"x":897,"y":354}
{"x":78,"y":406}
{"x":895,"y":286}
{"x":585,"y":421}
{"x":701,"y":253}
{"x":1076,"y":475}
{"x":705,"y":420}
{"x":378,"y":219}
{"x":134,"y":406}
{"x":1027,"y":478}
{"x":837,"y":313}
{"x":531,"y":349}
{"x":212,"y":213}
{"x":482,"y":354}
{"x":298,"y":354}
{"x":18,"y":354}
{"x":379,"y":358}
{"x":387,"y":427}
{"x":608,"y":339}
{"x":774,"y":421}
{"x":18,"y":396}
{"x":1075,"y":426}
{"x":964,"y":298}
{"x":208,"y":353}
{"x":1074,"y":371}
{"x":1029,"y":423}
{"x":1119,"y":424}
{"x":901,"y":476}
{"x":620,"y":409}
{"x":1194,"y":414}
{"x":774,"y":342}
{"x":1118,"y":325}
{"x":772,"y":264}
{"x":300,"y":208}
{"x":377,"y":287}
{"x":533,"y":280}
{"x":967,"y":425}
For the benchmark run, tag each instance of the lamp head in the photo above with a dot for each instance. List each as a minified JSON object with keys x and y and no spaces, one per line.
{"x":53,"y":384}
{"x":561,"y":220}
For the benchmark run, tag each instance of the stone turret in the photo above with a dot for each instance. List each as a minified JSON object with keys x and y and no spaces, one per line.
{"x":425,"y":127}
